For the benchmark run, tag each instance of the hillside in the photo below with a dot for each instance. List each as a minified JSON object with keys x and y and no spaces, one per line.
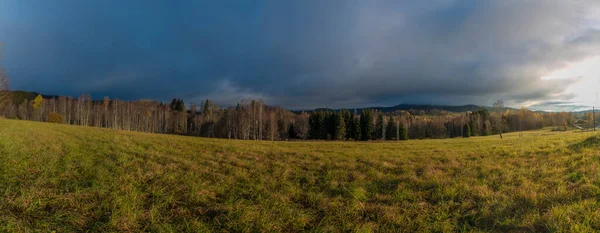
{"x":70,"y":178}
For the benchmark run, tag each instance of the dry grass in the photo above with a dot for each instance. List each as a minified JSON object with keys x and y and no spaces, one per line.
{"x":68,"y":178}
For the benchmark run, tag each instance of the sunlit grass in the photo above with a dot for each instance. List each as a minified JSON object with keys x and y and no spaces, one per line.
{"x":68,"y":178}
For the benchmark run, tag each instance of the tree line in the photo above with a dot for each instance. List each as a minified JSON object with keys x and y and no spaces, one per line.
{"x":254,"y":120}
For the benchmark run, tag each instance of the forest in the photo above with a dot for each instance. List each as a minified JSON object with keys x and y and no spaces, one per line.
{"x":255,"y":120}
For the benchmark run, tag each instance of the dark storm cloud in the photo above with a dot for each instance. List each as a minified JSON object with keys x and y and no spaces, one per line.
{"x":298,"y":54}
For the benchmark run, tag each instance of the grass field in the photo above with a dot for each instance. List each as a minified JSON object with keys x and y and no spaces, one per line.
{"x":68,"y":178}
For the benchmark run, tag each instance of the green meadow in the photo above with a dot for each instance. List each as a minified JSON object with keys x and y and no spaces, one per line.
{"x":70,"y":179}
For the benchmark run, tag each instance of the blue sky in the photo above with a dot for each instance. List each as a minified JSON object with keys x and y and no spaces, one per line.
{"x":305,"y":54}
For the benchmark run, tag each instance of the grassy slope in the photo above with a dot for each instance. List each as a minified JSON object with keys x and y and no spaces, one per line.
{"x":69,"y":178}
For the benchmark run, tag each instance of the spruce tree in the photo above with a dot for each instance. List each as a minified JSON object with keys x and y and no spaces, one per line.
{"x":403,"y":132}
{"x":293,"y":132}
{"x":316,"y":123}
{"x":207,"y":107}
{"x":329,"y":125}
{"x":177,"y":105}
{"x":474,"y":129}
{"x":379,"y":127}
{"x":355,"y":129}
{"x":311,"y":125}
{"x":487,"y":127}
{"x":390,"y":131}
{"x":366,"y":125}
{"x":173,"y":104}
{"x":340,"y":127}
{"x":466,"y":131}
{"x":180,"y":106}
{"x":322,"y":124}
{"x":332,"y":125}
{"x":348,"y":120}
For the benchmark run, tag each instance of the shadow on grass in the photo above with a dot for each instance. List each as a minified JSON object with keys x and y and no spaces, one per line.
{"x":589,"y":143}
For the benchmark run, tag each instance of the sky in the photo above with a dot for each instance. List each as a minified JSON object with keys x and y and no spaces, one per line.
{"x":541,"y":54}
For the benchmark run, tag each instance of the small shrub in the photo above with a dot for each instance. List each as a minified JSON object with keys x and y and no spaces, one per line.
{"x":56,"y":118}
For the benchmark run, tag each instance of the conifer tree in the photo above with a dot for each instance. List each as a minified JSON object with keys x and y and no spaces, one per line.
{"x":317,"y":125}
{"x":348,"y":117}
{"x":330,"y":125}
{"x":355,"y":129}
{"x":487,"y":127}
{"x":390,"y":130}
{"x":466,"y":131}
{"x":366,"y":125}
{"x":293,"y":132}
{"x":379,"y":127}
{"x":177,"y":105}
{"x":403,"y":132}
{"x":474,"y":130}
{"x":340,"y":130}
{"x":312,"y":126}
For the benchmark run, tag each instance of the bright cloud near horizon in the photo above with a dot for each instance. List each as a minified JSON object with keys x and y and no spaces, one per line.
{"x":585,"y":90}
{"x":541,"y":54}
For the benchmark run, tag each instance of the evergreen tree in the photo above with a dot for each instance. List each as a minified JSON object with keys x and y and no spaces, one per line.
{"x":207,"y":108}
{"x":181,"y":106}
{"x":487,"y":128}
{"x":330,"y":122}
{"x":317,"y":124}
{"x":293,"y":132}
{"x":348,"y":117}
{"x":177,"y":105}
{"x":403,"y":132}
{"x":173,"y":104}
{"x":355,"y":129}
{"x":390,"y":131}
{"x":340,"y":124}
{"x":312,"y":126}
{"x":366,"y":125}
{"x":379,"y":127}
{"x":466,"y":131}
{"x":474,"y":130}
{"x":322,"y":124}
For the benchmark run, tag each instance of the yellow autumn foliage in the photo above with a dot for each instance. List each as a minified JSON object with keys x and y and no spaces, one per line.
{"x":37,"y":101}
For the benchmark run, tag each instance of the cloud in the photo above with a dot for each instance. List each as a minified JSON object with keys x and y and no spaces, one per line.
{"x":303,"y":54}
{"x":559,"y":106}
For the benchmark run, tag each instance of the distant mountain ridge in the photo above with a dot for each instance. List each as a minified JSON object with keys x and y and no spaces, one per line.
{"x":405,"y":107}
{"x":19,"y":96}
{"x":424,"y":107}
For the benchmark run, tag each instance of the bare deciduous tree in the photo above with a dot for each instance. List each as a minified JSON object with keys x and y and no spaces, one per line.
{"x":499,"y":121}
